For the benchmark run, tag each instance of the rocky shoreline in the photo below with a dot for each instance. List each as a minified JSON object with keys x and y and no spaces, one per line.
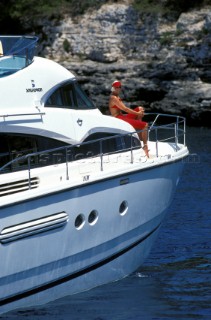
{"x":164,"y":65}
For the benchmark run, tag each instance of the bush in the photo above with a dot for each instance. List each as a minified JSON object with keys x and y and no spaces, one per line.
{"x":166,"y":39}
{"x":66,"y":46}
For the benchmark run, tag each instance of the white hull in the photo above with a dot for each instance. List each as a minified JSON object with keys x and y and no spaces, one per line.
{"x":66,"y":260}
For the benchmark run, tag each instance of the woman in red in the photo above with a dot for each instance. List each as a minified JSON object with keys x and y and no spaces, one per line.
{"x":134,"y":117}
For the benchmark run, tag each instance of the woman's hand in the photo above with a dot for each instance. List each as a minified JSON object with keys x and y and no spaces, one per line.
{"x":141,"y":108}
{"x":140,"y":113}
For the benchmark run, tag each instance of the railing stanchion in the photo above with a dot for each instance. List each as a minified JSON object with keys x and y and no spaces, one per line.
{"x":156,"y":139}
{"x":29,"y":170}
{"x":184,"y":132}
{"x":101,"y":156}
{"x":176,"y":133}
{"x":131,"y":148}
{"x":67,"y":168}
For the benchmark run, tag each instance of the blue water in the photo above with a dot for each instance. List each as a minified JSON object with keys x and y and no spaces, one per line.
{"x":175,"y":281}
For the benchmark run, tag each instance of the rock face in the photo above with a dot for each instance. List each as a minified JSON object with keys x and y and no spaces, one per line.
{"x":164,"y":65}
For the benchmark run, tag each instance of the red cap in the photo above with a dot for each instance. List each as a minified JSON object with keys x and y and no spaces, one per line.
{"x":116,"y":84}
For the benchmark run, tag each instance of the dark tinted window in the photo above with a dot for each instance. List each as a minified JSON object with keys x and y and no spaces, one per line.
{"x":83,"y":102}
{"x":15,"y":146}
{"x":55,"y":100}
{"x":110,"y":144}
{"x":69,"y":95}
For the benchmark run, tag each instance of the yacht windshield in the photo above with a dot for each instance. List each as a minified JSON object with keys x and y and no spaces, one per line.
{"x":16,"y":53}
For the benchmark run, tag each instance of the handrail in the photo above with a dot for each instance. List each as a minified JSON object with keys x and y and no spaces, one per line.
{"x":174,"y":126}
{"x":22,"y":114}
{"x":182,"y":121}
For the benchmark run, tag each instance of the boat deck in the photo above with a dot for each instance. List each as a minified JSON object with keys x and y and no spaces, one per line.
{"x":38,"y":177}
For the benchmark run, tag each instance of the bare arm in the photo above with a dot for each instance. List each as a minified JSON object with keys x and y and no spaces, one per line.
{"x":115,"y":101}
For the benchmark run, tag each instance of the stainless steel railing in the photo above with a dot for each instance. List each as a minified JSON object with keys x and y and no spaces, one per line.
{"x":159,"y":131}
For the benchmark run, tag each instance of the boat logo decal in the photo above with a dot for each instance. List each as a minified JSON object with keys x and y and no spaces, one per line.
{"x":86,"y":178}
{"x":33,"y":89}
{"x":79,"y":122}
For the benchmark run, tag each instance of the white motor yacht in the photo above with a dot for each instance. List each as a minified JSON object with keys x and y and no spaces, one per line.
{"x":80,"y":203}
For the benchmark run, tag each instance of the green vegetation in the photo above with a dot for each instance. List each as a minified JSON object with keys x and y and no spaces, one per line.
{"x":38,"y":8}
{"x":148,"y":6}
{"x":202,"y":33}
{"x":168,"y":6}
{"x":35,"y":8}
{"x":166,"y":39}
{"x":13,"y":12}
{"x":66,"y":45}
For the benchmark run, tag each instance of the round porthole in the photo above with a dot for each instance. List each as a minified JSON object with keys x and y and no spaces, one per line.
{"x":79,"y":221}
{"x":123,"y":208}
{"x":93,"y":217}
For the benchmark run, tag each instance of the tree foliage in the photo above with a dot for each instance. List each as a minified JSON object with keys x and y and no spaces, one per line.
{"x":36,"y":8}
{"x":173,"y":6}
{"x":13,"y":12}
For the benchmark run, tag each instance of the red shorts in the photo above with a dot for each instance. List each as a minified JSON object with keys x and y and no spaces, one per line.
{"x":131,"y":119}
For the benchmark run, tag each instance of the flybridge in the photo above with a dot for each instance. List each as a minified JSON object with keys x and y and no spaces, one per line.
{"x":16,"y":53}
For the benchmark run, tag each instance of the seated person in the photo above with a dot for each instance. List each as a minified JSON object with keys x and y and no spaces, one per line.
{"x":134,"y":117}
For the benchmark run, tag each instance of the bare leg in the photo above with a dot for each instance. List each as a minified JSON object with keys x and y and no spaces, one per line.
{"x":143,"y":136}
